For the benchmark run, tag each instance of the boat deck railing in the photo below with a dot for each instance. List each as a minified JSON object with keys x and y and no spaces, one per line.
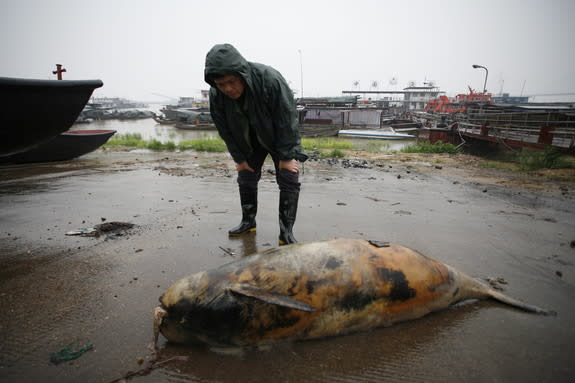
{"x":558,"y":134}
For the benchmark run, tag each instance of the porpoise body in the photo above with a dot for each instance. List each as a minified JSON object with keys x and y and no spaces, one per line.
{"x":312,"y":290}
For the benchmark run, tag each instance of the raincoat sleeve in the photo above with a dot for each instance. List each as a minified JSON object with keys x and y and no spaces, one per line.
{"x":285,"y":122}
{"x":219,"y":117}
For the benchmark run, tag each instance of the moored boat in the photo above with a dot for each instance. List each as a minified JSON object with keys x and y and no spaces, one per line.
{"x":382,"y":134}
{"x":161,"y":119}
{"x":34,"y":111}
{"x":401,"y":125}
{"x":318,"y":130}
{"x":195,"y":126}
{"x":65,"y":146}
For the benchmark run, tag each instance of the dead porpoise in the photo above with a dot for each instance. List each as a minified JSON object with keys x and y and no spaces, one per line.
{"x":312,"y":290}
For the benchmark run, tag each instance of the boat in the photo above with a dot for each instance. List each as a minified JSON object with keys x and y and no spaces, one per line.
{"x":34,"y":111}
{"x":186,"y":118}
{"x":195,"y":126}
{"x":181,"y":114}
{"x":319,"y":130}
{"x":490,"y":126}
{"x":381,"y":134}
{"x":63,"y":147}
{"x":94,"y":112}
{"x":401,"y":125}
{"x":459,"y":104}
{"x":194,"y":119}
{"x":161,"y":119}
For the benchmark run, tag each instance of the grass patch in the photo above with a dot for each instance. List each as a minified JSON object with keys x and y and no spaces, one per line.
{"x":497,"y":165}
{"x":426,"y":147}
{"x":374,"y":146}
{"x":132,"y":140}
{"x":546,"y":159}
{"x":204,"y":145}
{"x":311,"y":144}
{"x":336,"y":153}
{"x":158,"y":146}
{"x":528,"y":160}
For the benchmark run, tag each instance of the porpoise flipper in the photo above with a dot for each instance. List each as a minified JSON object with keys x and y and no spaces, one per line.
{"x":270,"y":297}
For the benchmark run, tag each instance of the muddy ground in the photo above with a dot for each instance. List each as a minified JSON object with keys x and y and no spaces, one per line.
{"x":58,"y":290}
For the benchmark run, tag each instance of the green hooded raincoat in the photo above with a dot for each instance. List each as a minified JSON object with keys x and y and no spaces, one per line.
{"x":268,"y":102}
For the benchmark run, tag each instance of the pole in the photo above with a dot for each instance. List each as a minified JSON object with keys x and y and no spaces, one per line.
{"x":475,"y":66}
{"x":522,"y":88}
{"x":301,"y":72}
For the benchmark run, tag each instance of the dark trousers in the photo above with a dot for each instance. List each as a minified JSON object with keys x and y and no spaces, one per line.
{"x":248,"y":181}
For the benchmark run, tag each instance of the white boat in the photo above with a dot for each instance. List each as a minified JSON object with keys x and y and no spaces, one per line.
{"x":382,"y":134}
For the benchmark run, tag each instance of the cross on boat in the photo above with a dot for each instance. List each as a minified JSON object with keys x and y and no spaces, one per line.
{"x":59,"y":70}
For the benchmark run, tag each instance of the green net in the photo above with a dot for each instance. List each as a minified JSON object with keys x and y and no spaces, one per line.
{"x":70,"y":352}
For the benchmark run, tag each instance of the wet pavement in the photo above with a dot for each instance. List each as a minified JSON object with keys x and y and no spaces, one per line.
{"x":58,"y":290}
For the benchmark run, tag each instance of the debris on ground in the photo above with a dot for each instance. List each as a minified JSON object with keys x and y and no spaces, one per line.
{"x":103,"y":228}
{"x":150,"y":366}
{"x":228,"y":251}
{"x":82,"y":232}
{"x":68,"y":353}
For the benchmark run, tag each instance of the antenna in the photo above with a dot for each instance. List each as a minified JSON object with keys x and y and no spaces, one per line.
{"x":523,"y":87}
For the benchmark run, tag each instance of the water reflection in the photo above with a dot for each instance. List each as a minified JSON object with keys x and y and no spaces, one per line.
{"x":149,"y":129}
{"x":247,"y":243}
{"x":380,"y":145}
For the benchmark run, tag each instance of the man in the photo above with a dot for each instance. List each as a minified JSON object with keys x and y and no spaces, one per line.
{"x":255,"y":114}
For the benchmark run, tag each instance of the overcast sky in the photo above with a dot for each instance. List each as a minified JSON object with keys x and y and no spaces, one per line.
{"x":148,"y":49}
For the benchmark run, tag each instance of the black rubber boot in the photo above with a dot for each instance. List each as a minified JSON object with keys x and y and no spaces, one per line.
{"x":287,"y":214}
{"x":249,"y":201}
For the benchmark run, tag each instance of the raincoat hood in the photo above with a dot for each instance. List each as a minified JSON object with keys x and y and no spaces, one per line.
{"x":224,"y":59}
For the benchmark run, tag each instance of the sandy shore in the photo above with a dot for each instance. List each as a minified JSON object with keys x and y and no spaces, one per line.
{"x":58,"y":289}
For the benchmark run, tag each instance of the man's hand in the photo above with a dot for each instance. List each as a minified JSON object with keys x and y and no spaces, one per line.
{"x":291,"y":165}
{"x":244,"y":166}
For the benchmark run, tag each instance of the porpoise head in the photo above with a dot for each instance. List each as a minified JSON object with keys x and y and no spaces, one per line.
{"x":193,"y":312}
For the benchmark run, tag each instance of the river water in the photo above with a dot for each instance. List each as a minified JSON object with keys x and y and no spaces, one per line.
{"x":149,"y":129}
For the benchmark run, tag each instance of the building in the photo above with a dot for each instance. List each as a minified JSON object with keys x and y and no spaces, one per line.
{"x":413,"y":97}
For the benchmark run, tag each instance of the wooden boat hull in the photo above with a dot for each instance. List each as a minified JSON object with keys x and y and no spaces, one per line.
{"x":34,"y":111}
{"x":65,"y":146}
